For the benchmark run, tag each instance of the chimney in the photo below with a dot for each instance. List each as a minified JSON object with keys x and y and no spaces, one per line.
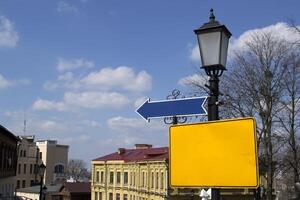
{"x":121,"y":151}
{"x":143,"y":146}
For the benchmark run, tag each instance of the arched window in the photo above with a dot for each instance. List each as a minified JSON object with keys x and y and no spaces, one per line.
{"x":59,"y":169}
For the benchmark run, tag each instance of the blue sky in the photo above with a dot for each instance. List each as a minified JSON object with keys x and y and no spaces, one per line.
{"x":77,"y":69}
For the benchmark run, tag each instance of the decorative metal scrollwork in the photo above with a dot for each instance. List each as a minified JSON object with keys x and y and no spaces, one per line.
{"x":176,"y":94}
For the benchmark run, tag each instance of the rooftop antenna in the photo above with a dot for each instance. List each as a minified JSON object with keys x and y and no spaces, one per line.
{"x":25,"y":124}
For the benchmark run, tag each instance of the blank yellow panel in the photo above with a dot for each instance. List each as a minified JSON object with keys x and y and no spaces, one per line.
{"x":217,"y":154}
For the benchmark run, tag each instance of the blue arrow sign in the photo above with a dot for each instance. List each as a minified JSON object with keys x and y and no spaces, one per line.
{"x":175,"y":107}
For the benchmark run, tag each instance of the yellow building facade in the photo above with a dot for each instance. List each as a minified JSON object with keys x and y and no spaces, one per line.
{"x":131,"y":174}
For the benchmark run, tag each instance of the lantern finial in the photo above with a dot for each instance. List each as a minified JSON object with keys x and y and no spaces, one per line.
{"x":211,"y":15}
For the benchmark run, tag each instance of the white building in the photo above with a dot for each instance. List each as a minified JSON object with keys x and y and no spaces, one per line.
{"x":55,"y":157}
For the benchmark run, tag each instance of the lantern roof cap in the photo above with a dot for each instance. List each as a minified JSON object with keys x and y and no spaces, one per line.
{"x":212,"y":25}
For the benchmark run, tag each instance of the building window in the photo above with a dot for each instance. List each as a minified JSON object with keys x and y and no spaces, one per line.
{"x":24,"y":169}
{"x":125,"y":197}
{"x":118,"y":177}
{"x":1,"y":156}
{"x":59,"y":169}
{"x":157,"y":177}
{"x":125,"y":178}
{"x":19,"y":169}
{"x":117,"y":196}
{"x":152,"y":179}
{"x":133,"y":178}
{"x":24,"y":153}
{"x":143,"y":179}
{"x":100,"y":195}
{"x":23,"y":183}
{"x":130,"y":174}
{"x":162,"y":181}
{"x":35,"y":169}
{"x":110,"y":196}
{"x":111,"y":177}
{"x":21,"y":153}
{"x":18,"y":184}
{"x":96,"y":195}
{"x":101,"y":176}
{"x":97,"y":176}
{"x":31,"y":168}
{"x":31,"y":182}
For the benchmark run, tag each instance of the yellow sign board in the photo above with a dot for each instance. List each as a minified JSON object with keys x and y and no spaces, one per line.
{"x":216,"y":154}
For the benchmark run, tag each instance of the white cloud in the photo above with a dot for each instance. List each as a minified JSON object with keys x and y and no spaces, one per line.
{"x":122,"y":76}
{"x":68,"y":76}
{"x":81,"y":139}
{"x":41,"y":104}
{"x":4,"y":82}
{"x":50,"y":126}
{"x":88,"y":100}
{"x":71,"y":64}
{"x":96,"y":99}
{"x":195,"y":54}
{"x":65,"y":81}
{"x":91,"y":123}
{"x":138,"y":102}
{"x":195,"y":78}
{"x":120,"y":141}
{"x":280,"y":30}
{"x":123,"y":124}
{"x":66,"y":7}
{"x":8,"y":35}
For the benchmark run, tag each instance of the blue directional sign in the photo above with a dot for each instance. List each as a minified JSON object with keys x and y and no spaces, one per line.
{"x":175,"y":107}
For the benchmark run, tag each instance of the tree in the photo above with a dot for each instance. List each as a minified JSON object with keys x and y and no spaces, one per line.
{"x":256,"y":77}
{"x":293,"y":26}
{"x":253,"y":86}
{"x":77,"y":170}
{"x":289,"y":117}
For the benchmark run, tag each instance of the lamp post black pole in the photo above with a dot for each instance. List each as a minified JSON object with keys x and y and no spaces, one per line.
{"x":213,"y":114}
{"x":213,"y":109}
{"x":213,"y":39}
{"x":42,"y":169}
{"x":41,"y":187}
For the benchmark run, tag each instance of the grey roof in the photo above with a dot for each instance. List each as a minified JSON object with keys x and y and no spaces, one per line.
{"x":36,"y":189}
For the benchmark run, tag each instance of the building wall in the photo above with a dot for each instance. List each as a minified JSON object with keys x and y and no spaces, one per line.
{"x":145,"y":180}
{"x":53,"y":155}
{"x":33,"y":196}
{"x":7,"y":186}
{"x":8,"y":162}
{"x":26,"y":196}
{"x":28,"y":161}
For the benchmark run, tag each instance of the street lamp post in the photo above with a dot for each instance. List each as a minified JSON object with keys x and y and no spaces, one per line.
{"x":44,"y":190}
{"x":213,"y":39}
{"x":42,"y":169}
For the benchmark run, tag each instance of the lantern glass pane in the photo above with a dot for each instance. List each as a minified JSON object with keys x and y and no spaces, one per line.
{"x":224,"y":47}
{"x":42,"y":169}
{"x":210,"y":48}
